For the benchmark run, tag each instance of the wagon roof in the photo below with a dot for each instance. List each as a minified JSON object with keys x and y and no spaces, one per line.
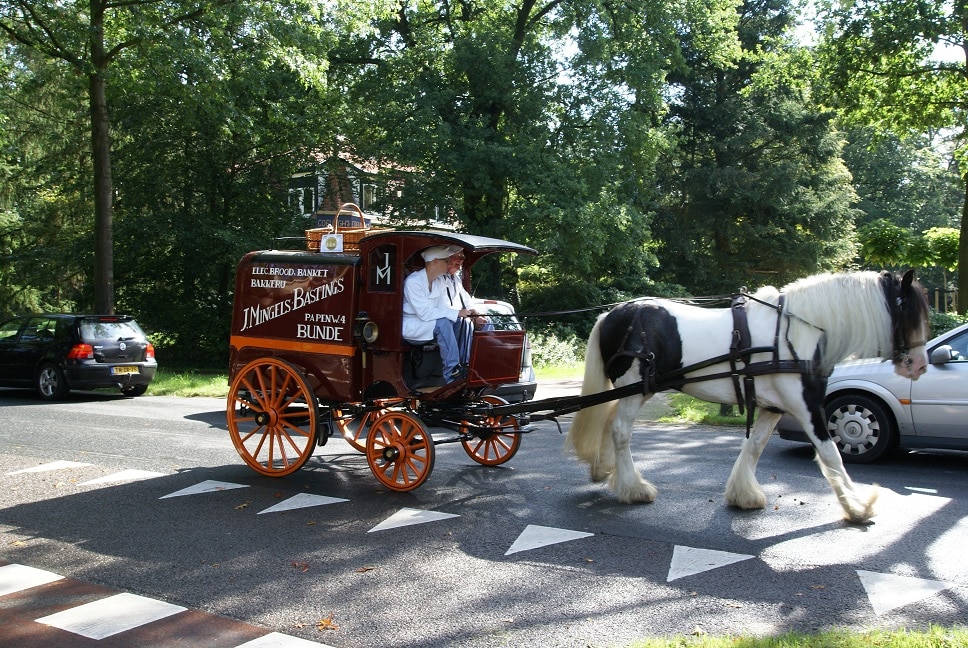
{"x":480,"y":244}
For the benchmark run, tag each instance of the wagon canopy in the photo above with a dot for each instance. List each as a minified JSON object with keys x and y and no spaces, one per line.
{"x":476,"y":245}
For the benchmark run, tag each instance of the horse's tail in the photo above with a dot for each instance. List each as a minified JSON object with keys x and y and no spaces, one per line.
{"x":589,"y":425}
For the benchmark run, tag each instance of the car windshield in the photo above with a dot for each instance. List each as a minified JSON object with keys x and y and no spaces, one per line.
{"x":109,"y":330}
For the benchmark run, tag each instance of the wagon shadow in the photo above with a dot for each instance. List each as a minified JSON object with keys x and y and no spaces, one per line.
{"x":214,"y":419}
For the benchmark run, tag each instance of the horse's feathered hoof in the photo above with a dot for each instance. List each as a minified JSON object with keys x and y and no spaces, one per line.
{"x":600,"y":473}
{"x":748,"y":500}
{"x":641,"y":493}
{"x":862,"y":513}
{"x":753,"y":504}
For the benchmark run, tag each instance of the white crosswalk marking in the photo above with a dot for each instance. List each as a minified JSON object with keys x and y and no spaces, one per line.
{"x":278,"y":640}
{"x":687,"y":561}
{"x":302,"y":500}
{"x":14,"y":578}
{"x":110,"y":616}
{"x":54,"y":465}
{"x":124,"y":612}
{"x":207,"y":486}
{"x":887,"y":592}
{"x":408,"y":516}
{"x":535,"y":536}
{"x":123,"y":476}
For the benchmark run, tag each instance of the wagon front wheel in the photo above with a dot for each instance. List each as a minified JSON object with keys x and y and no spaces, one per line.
{"x":400,"y":451}
{"x":272,"y":417}
{"x":493,"y":449}
{"x":356,"y":428}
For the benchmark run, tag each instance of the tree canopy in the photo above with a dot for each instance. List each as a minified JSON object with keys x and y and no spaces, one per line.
{"x":884,"y":70}
{"x":689,"y":147}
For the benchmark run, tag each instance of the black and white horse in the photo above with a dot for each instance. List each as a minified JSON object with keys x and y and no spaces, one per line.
{"x":818,"y":322}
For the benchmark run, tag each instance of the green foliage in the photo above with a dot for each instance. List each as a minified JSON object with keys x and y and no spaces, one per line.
{"x":45,"y":225}
{"x":906,"y":181}
{"x":944,"y":322}
{"x":943,"y":243}
{"x":643,"y":148}
{"x":520,"y":137}
{"x":884,"y":243}
{"x":687,"y":409}
{"x":227,"y":133}
{"x":880,"y":70}
{"x":755,"y":191}
{"x":550,"y":350}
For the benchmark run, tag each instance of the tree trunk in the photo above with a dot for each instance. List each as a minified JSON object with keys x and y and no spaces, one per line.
{"x":103,"y":189}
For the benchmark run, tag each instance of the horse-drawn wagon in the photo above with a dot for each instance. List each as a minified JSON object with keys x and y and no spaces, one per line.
{"x":317,"y":348}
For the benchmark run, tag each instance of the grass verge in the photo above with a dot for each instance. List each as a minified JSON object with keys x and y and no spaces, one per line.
{"x":189,"y":384}
{"x":686,"y":409}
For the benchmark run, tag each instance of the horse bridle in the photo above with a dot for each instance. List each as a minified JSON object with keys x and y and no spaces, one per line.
{"x":902,"y":346}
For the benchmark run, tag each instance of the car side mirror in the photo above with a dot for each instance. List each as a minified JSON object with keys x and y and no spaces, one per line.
{"x":942,"y":355}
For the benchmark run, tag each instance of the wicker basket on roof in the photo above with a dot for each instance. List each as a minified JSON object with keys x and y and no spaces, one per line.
{"x":351,"y":237}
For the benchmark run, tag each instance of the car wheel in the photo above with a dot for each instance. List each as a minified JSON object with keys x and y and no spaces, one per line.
{"x":134,"y":390}
{"x":861,"y":427}
{"x":51,"y":383}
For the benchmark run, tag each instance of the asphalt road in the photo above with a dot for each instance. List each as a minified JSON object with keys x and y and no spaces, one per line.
{"x":162,"y":506}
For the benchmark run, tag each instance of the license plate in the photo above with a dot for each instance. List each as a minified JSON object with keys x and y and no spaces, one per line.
{"x":124,"y":370}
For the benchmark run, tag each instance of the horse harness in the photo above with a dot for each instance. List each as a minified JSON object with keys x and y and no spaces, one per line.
{"x":741,"y":370}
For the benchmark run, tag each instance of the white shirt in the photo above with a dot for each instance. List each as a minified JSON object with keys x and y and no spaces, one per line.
{"x":457,"y":296}
{"x":423,"y":305}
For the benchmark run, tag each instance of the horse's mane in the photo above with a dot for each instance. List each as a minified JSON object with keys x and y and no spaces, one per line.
{"x":850,"y":307}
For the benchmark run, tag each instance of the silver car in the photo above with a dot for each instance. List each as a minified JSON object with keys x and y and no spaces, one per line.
{"x":870,"y":410}
{"x":502,"y":317}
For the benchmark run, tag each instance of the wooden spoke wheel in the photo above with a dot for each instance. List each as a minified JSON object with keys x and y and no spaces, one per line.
{"x":494,"y":448}
{"x":355,"y":429}
{"x":272,"y":417}
{"x":400,"y":451}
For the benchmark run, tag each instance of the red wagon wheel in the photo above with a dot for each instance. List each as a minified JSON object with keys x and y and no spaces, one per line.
{"x":495,"y":448}
{"x":400,"y":451}
{"x":355,"y":429}
{"x":272,"y":417}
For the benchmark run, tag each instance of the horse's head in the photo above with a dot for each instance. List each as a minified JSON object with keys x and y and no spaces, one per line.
{"x":909,"y":321}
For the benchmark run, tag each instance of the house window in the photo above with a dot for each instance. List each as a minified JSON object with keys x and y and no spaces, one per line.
{"x":302,"y":200}
{"x":369,"y":196}
{"x":309,"y":200}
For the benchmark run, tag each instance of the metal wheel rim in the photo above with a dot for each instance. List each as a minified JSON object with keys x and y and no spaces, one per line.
{"x":399,"y":451}
{"x":498,"y":448}
{"x":272,"y":417}
{"x":854,"y":429}
{"x":48,"y":381}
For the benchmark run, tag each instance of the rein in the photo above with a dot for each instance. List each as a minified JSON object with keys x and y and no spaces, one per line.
{"x":589,"y":309}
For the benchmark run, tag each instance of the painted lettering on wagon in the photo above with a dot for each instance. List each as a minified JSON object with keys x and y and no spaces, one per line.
{"x":287,"y":271}
{"x":316,"y":326}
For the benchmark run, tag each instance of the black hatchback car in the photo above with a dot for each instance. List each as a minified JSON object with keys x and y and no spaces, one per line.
{"x":56,"y":353}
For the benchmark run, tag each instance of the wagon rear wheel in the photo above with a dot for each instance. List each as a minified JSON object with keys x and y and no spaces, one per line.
{"x":400,"y":451}
{"x":495,"y":448}
{"x":272,"y":417}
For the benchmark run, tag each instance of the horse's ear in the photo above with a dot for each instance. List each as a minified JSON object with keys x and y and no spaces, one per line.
{"x":907,"y":280}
